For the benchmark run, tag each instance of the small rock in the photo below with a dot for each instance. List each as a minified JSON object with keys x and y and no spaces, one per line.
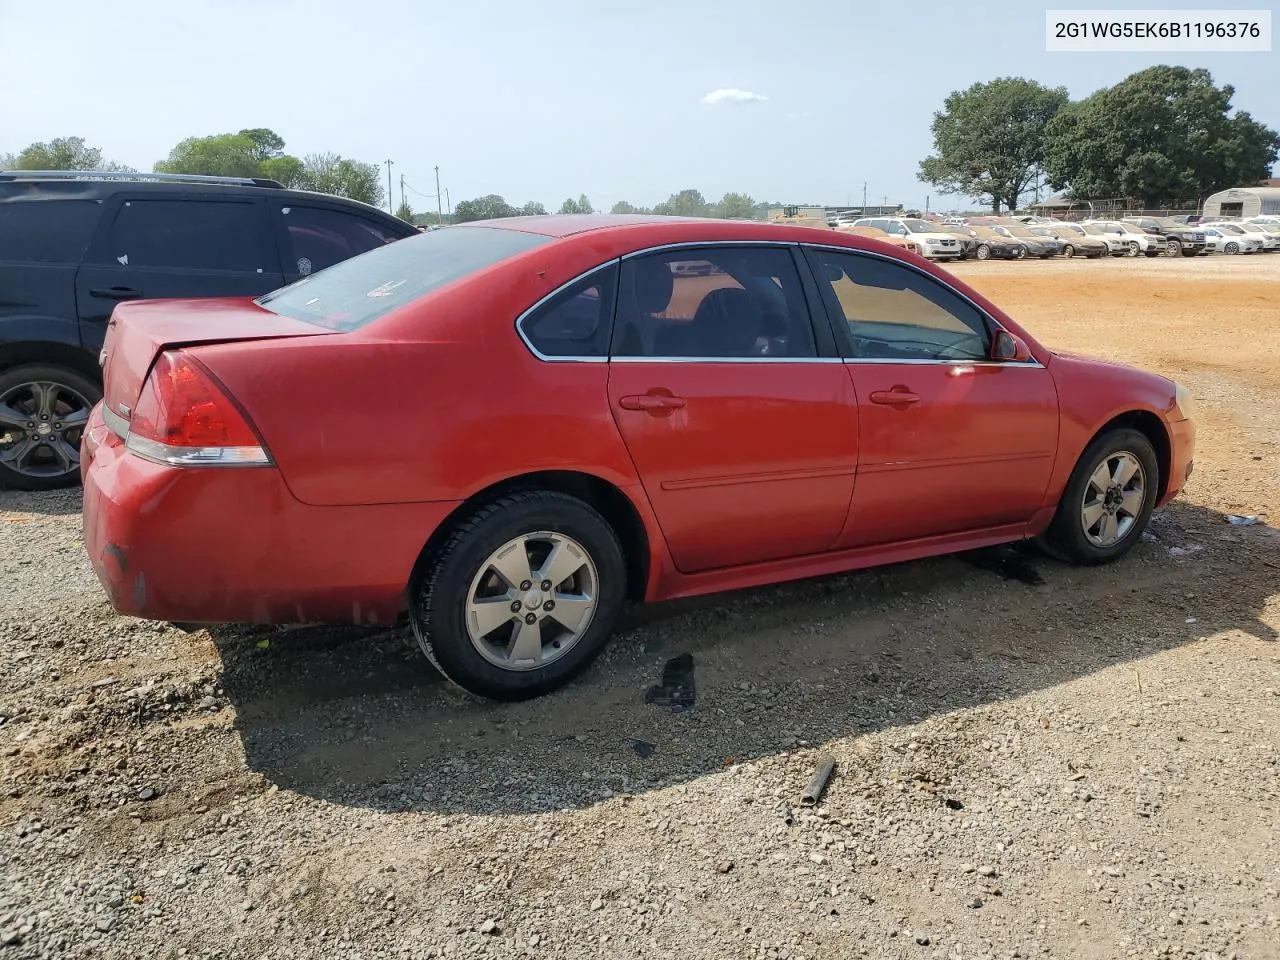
{"x":148,"y":793}
{"x":975,"y":903}
{"x":922,"y":939}
{"x":986,"y":871}
{"x":817,"y":858}
{"x":597,"y":904}
{"x":490,"y":928}
{"x":724,"y":866}
{"x":968,"y":868}
{"x":104,"y":924}
{"x":11,"y":938}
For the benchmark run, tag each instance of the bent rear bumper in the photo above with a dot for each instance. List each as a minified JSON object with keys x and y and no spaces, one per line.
{"x":222,"y":545}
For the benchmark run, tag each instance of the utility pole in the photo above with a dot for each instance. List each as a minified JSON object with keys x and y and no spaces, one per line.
{"x":448,"y":207}
{"x":439,"y":212}
{"x":390,"y":198}
{"x":864,"y":198}
{"x":402,"y":191}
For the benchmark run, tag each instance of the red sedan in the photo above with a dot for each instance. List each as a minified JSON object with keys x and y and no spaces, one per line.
{"x":510,"y":429}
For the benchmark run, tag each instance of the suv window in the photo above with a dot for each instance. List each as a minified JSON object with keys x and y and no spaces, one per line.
{"x":46,"y":231}
{"x":713,"y":302}
{"x":319,"y":237}
{"x":356,"y":292}
{"x":895,"y":313}
{"x":189,"y":234}
{"x":575,"y":322}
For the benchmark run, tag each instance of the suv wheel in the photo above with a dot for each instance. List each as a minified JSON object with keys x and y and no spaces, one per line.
{"x":521,"y":597}
{"x":43,"y":413}
{"x":1135,"y":248}
{"x":1173,"y":248}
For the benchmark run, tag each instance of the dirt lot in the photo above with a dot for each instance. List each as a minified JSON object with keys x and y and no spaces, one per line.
{"x":1082,"y":767}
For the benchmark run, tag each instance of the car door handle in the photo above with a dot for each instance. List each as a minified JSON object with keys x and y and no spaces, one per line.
{"x":651,"y":401}
{"x":116,"y":293}
{"x":894,"y":396}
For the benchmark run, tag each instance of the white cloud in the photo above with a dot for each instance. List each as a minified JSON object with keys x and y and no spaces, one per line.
{"x":733,"y":95}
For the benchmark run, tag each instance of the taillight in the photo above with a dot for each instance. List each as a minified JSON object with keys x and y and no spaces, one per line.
{"x":183,"y":417}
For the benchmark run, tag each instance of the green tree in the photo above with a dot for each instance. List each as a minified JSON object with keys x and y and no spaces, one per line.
{"x":686,"y":203}
{"x":221,"y":155}
{"x":286,"y":170}
{"x":736,"y":206}
{"x":584,"y":205}
{"x":569,"y":206}
{"x":330,"y":173}
{"x":489,"y":207}
{"x":405,"y":212}
{"x":1163,"y":133}
{"x":623,"y":207}
{"x":64,"y":153}
{"x":989,"y":140}
{"x":533,"y":209}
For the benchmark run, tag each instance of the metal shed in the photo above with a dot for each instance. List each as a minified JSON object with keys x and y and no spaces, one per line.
{"x":1243,"y":202}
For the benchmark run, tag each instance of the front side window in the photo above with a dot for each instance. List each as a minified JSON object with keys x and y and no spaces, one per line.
{"x":358,"y":291}
{"x":892,"y":312}
{"x":713,"y":302}
{"x":190,"y":235}
{"x":575,"y":322}
{"x":319,"y":237}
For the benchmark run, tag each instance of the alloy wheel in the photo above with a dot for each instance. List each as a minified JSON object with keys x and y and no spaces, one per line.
{"x":531,"y":601}
{"x":1113,"y":499}
{"x":41,"y":424}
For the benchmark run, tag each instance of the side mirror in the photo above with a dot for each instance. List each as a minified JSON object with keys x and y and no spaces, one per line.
{"x":1009,"y":348}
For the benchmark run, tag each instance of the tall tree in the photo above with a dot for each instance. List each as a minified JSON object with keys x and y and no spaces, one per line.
{"x":736,"y":206}
{"x":622,"y":206}
{"x":221,"y":155}
{"x":533,"y":209}
{"x":989,"y":140}
{"x":330,"y":173}
{"x":584,"y":205}
{"x":489,"y":207}
{"x":686,"y":203}
{"x":405,"y":212}
{"x":65,"y":153}
{"x":1164,"y":133}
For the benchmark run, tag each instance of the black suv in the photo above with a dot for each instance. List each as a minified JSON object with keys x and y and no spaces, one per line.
{"x":1179,"y":238}
{"x":74,"y":244}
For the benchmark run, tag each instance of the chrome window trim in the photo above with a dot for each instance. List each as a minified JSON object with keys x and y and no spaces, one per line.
{"x":726,"y":360}
{"x":615,"y":262}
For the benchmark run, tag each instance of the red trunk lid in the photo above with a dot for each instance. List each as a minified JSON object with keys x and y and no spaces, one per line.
{"x":139,"y":331}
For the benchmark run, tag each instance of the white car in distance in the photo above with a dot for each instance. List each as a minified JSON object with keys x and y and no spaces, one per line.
{"x":1136,"y":240}
{"x":933,"y":244}
{"x":1221,"y":238}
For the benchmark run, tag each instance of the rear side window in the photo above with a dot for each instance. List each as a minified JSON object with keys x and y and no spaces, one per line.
{"x":46,"y":231}
{"x":190,"y":234}
{"x":575,"y":322}
{"x":358,"y":291}
{"x":320,"y":237}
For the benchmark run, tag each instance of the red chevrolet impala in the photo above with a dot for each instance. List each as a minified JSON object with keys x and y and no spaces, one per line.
{"x":509,"y":429}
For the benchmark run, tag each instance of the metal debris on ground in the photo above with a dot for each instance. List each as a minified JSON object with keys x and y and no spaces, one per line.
{"x":819,"y":782}
{"x":677,"y":689}
{"x":1245,"y":520}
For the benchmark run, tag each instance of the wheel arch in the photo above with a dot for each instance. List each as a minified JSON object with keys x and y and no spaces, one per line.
{"x":1152,"y":427}
{"x":617,"y":508}
{"x":49,"y":353}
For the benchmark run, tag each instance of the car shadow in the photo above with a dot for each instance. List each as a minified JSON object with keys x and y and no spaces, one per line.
{"x":49,"y":503}
{"x":357,"y":716}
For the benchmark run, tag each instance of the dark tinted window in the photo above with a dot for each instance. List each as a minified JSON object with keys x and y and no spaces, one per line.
{"x":358,"y":291}
{"x":713,"y":302}
{"x":46,"y":231}
{"x":893,"y":312}
{"x":190,"y":234}
{"x":575,"y":323}
{"x":320,"y":237}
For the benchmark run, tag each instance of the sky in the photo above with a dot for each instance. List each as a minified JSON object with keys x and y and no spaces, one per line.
{"x":548,"y":100}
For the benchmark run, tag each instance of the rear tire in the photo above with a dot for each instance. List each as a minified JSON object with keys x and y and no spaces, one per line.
{"x":1068,"y":251}
{"x":1123,"y":462}
{"x":40,"y":450}
{"x":459,"y":583}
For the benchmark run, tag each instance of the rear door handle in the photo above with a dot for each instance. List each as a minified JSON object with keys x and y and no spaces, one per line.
{"x":894,"y":396}
{"x":116,"y":293}
{"x":651,"y":401}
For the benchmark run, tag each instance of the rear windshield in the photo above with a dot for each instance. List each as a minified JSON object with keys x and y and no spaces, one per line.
{"x":358,"y":291}
{"x":46,"y":231}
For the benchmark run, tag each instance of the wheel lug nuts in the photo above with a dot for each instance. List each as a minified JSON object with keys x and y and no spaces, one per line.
{"x":515,"y":606}
{"x":546,"y":585}
{"x":526,"y":585}
{"x":549,"y":606}
{"x":530,"y":618}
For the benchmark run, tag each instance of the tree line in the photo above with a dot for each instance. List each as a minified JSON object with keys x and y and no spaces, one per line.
{"x":1162,"y":134}
{"x":258,"y":152}
{"x":685,"y":203}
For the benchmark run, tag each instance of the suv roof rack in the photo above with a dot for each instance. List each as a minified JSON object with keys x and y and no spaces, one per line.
{"x":127,"y":175}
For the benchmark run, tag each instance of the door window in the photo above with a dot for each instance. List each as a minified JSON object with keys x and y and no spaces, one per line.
{"x":575,"y":322}
{"x":892,"y":312}
{"x":189,"y":234}
{"x":713,"y":302}
{"x":319,"y":237}
{"x":46,"y":231}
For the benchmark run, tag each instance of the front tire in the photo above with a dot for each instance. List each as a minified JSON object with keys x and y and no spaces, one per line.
{"x":1108,"y":500}
{"x":1232,"y":248}
{"x":1135,"y":248}
{"x":43,"y":413}
{"x":1068,"y":251}
{"x":984,"y":252}
{"x":1173,"y":248}
{"x":552,"y":556}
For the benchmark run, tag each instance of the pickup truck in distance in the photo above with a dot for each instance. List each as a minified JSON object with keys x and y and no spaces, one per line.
{"x":1179,"y":238}
{"x":74,"y":244}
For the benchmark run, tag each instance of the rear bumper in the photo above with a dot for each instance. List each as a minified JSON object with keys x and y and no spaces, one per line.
{"x":1182,"y":451}
{"x":224,"y":545}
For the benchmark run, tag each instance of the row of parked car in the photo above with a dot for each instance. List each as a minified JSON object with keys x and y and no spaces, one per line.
{"x":1019,"y":238}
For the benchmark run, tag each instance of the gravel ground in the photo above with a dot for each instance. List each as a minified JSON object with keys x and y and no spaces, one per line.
{"x":1031,"y":760}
